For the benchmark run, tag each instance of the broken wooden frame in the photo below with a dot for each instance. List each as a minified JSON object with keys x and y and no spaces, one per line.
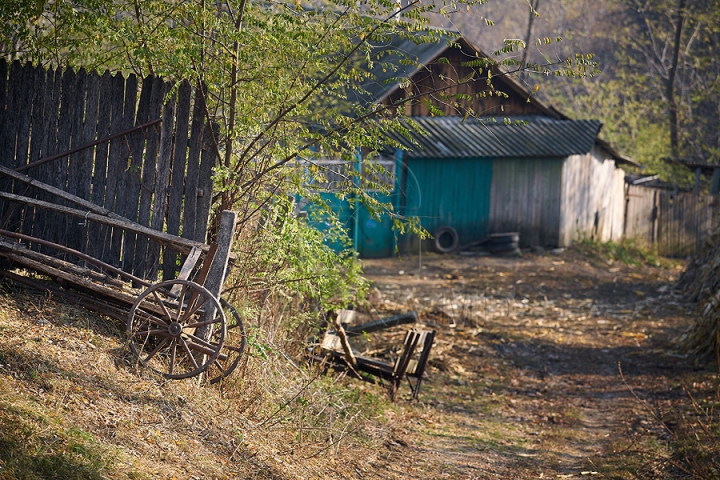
{"x":407,"y":365}
{"x":177,"y":327}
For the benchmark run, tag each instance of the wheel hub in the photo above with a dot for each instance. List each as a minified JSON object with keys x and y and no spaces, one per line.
{"x":175,"y":329}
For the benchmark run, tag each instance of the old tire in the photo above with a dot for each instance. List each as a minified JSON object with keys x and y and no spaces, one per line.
{"x":446,"y":239}
{"x":504,"y":238}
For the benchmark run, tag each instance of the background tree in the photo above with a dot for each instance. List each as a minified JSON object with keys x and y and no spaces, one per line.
{"x":634,"y":42}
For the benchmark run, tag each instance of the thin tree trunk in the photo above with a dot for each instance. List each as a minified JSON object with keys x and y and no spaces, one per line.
{"x":670,"y":87}
{"x":528,"y":34}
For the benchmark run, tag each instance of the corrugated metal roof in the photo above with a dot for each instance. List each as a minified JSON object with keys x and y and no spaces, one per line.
{"x":450,"y":137}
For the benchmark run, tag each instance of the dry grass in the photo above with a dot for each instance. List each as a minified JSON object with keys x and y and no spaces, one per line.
{"x":74,"y":405}
{"x":522,"y":381}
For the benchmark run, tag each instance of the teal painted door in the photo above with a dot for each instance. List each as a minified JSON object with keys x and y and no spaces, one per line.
{"x":453,"y":192}
{"x":371,"y":237}
{"x":376,"y":239}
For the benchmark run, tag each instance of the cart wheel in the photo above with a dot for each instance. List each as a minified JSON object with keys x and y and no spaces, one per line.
{"x":233,"y":348}
{"x":162,"y":329}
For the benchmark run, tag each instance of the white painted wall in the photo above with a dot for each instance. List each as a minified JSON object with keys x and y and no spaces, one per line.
{"x":593,"y":198}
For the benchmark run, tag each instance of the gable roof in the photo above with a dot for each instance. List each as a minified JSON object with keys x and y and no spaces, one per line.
{"x":549,"y":134}
{"x":451,"y":137}
{"x":384,"y":81}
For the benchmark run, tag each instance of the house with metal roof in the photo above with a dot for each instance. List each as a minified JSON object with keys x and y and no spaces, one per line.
{"x":541,"y":174}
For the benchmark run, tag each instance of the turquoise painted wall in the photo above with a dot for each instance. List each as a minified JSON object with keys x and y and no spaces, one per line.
{"x":454,"y":192}
{"x":371,"y":237}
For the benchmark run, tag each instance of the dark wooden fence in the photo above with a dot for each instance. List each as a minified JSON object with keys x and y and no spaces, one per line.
{"x":159,"y":175}
{"x":641,"y":213}
{"x":684,"y":221}
{"x":676,"y":222}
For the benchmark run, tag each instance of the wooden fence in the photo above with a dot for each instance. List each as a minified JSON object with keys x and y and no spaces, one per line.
{"x":151,"y":161}
{"x":676,"y":222}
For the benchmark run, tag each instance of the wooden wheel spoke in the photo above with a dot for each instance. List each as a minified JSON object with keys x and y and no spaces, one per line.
{"x":202,"y":324}
{"x":144,"y":315}
{"x":162,"y":305}
{"x":181,"y":300}
{"x":173,"y":351}
{"x":206,"y":348}
{"x":189,"y":353}
{"x":219,"y":366}
{"x":157,"y":349}
{"x":158,"y":331}
{"x":190,"y":312}
{"x":202,"y":342}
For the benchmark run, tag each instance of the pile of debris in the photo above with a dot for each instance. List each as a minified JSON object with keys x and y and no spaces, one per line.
{"x":700,"y":284}
{"x":409,"y":361}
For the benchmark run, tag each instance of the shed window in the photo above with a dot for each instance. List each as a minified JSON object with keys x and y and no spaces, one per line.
{"x":379,"y":172}
{"x":338,"y":174}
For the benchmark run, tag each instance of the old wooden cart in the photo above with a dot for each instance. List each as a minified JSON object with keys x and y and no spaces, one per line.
{"x":177,"y":327}
{"x":107,"y":197}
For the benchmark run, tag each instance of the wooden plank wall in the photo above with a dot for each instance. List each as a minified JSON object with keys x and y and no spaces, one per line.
{"x":592,"y":198}
{"x":524,"y":198}
{"x":684,"y":220}
{"x":440,"y":82}
{"x":151,"y":176}
{"x":641,"y":214}
{"x":676,"y":222}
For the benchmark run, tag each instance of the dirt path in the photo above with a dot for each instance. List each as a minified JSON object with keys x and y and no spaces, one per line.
{"x":545,"y":366}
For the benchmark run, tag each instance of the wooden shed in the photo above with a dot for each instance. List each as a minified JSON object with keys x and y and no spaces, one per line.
{"x":541,"y":174}
{"x":547,"y":179}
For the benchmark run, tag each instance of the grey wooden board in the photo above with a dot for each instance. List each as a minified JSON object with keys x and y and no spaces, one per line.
{"x":147,"y":178}
{"x":177,"y":184}
{"x":3,"y":115}
{"x":85,"y":157}
{"x":47,"y":112}
{"x":162,"y":183}
{"x":95,"y":244}
{"x":125,"y":170}
{"x":50,"y":126}
{"x":36,"y":138}
{"x":123,"y":114}
{"x":193,"y":167}
{"x":131,"y":187}
{"x":205,"y":186}
{"x":10,"y":133}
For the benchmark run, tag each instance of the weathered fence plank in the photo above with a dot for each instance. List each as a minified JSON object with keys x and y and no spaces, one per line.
{"x":193,"y":167}
{"x":129,"y":195}
{"x":162,"y":182}
{"x":123,"y":114}
{"x":95,"y":245}
{"x":152,"y":176}
{"x":177,"y":184}
{"x":148,"y":175}
{"x":205,"y":187}
{"x":51,"y":110}
{"x":36,"y":138}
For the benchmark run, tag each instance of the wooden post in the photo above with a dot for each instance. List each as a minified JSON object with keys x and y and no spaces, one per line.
{"x":654,"y":219}
{"x":715,"y":182}
{"x":218,"y":268}
{"x":349,"y":356}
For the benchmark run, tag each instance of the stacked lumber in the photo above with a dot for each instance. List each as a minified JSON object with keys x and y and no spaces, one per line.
{"x":700,"y":284}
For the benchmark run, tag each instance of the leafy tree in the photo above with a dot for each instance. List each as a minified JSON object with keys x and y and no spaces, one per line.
{"x":276,"y":76}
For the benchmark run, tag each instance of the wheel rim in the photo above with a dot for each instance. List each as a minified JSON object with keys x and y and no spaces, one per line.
{"x":233,"y":348}
{"x":166,"y":332}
